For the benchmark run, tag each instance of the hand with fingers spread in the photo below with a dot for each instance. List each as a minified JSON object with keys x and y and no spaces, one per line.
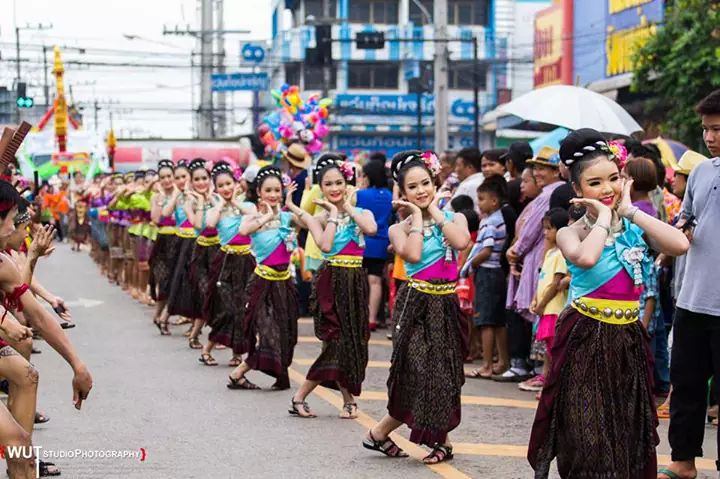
{"x":411,"y":208}
{"x":625,"y":206}
{"x":594,"y":207}
{"x":42,"y":241}
{"x":327,"y":206}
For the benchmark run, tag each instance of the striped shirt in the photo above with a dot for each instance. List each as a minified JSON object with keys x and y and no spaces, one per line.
{"x":492,"y":235}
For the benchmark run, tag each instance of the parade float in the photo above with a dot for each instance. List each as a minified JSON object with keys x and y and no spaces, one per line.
{"x":58,"y":143}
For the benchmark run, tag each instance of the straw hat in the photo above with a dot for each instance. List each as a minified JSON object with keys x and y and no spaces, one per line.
{"x":297,"y":155}
{"x":547,"y":157}
{"x":688,"y":162}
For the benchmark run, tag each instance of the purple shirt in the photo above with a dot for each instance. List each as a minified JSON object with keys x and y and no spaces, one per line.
{"x":529,"y":247}
{"x":647,"y":207}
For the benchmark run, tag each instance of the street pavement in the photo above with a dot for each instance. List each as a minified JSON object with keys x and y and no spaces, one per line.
{"x":151,"y":392}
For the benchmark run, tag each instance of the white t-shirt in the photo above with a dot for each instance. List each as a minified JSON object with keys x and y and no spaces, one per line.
{"x":469,"y":187}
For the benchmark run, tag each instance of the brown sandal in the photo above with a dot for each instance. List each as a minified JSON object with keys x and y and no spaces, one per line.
{"x":387,"y":446}
{"x":207,"y":359}
{"x":241,"y":383}
{"x":235,"y":362}
{"x":195,"y":343}
{"x":295,"y":411}
{"x":349,"y":411}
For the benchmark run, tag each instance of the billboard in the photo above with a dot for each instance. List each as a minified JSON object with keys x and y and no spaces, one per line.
{"x":553,"y":45}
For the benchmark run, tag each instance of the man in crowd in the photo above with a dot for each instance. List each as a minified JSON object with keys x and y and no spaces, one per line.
{"x":467,"y":166}
{"x":696,"y":340}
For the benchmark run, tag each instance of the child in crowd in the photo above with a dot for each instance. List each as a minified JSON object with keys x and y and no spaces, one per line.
{"x":490,"y":283}
{"x":493,"y":162}
{"x":551,"y":296}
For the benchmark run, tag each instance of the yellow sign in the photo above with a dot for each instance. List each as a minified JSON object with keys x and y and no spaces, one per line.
{"x":548,"y":46}
{"x":620,"y":5}
{"x":621,"y":45}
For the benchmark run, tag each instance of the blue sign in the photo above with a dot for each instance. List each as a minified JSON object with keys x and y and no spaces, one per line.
{"x":391,"y":143}
{"x":398,"y":105}
{"x":239,"y":81}
{"x":253,"y":53}
{"x":411,"y":69}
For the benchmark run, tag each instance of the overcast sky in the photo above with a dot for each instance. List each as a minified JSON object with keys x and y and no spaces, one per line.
{"x":147,"y":101}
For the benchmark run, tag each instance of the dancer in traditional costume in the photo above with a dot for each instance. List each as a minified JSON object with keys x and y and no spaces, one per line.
{"x":120,"y":218}
{"x":339,"y":298}
{"x":147,"y":237}
{"x":597,"y":413}
{"x":230,"y":270}
{"x":430,"y":343}
{"x":163,"y":256}
{"x":100,"y":222}
{"x":271,"y":301}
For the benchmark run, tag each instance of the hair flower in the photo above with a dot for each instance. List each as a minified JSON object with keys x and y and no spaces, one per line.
{"x":347,"y":170}
{"x":432,"y":162}
{"x":619,"y":152}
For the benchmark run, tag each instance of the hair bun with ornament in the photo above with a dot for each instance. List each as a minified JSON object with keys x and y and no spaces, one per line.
{"x":196,"y":164}
{"x":165,"y":164}
{"x":333,"y":160}
{"x":583,"y":144}
{"x":221,"y":167}
{"x":407,"y":159}
{"x":267,"y":171}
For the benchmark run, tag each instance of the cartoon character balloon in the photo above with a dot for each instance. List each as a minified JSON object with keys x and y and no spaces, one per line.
{"x":294,"y":119}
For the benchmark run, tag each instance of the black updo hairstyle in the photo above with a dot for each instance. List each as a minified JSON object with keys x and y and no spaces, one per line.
{"x":139,"y":175}
{"x":197,"y":164}
{"x":328,"y":161}
{"x":9,"y":198}
{"x":579,"y":148}
{"x":182,"y":164}
{"x":221,"y":168}
{"x":265,"y":173}
{"x":166,"y":164}
{"x":405,"y":160}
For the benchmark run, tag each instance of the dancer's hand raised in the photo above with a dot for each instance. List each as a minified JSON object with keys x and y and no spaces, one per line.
{"x":412,"y":208}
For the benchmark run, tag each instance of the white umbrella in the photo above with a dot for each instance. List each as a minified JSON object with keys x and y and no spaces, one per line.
{"x":574,"y":108}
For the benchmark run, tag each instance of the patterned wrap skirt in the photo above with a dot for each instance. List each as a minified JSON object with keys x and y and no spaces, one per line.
{"x":98,"y":232}
{"x":182,"y":299}
{"x":201,"y":261}
{"x":270,"y":324}
{"x":597,"y":414}
{"x":162,"y":261}
{"x":339,"y":305}
{"x":229,"y":277}
{"x":426,"y":372}
{"x":115,"y":241}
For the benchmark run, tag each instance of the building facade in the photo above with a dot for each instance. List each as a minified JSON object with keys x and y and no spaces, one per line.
{"x":375,"y":105}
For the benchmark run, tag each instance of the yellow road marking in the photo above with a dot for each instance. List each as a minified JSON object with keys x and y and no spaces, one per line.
{"x":468,"y":400}
{"x":376,"y":342}
{"x":507,"y":450}
{"x":445,"y":470}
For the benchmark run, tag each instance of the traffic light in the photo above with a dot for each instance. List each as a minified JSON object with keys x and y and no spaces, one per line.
{"x":23,"y":101}
{"x":370,"y":40}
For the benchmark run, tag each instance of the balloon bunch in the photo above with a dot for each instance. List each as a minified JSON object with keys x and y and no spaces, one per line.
{"x":294,"y":120}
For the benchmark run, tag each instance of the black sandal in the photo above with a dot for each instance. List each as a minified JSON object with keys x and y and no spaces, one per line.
{"x":241,"y":383}
{"x":294,"y":411}
{"x":48,"y":469}
{"x":41,"y":418}
{"x":387,"y":446}
{"x":351,"y":409}
{"x":207,"y":359}
{"x":440,"y":453}
{"x":164,"y":330}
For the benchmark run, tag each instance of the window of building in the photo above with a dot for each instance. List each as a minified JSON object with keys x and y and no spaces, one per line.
{"x":292,"y":73}
{"x":316,"y":8}
{"x":460,"y":75}
{"x":313,"y":77}
{"x":468,"y":12}
{"x":374,"y":11}
{"x":460,"y":12}
{"x":417,"y":16}
{"x":373,"y":75}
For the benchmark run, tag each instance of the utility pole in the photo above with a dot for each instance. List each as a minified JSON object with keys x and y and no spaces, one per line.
{"x":95,"y":105}
{"x":221,"y":95}
{"x":39,"y":26}
{"x":205,"y":110}
{"x":440,"y":17}
{"x":326,"y":68}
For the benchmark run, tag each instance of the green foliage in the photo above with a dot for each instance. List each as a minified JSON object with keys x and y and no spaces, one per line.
{"x":680,"y":65}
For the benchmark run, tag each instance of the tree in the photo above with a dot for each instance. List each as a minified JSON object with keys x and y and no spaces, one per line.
{"x":680,"y":65}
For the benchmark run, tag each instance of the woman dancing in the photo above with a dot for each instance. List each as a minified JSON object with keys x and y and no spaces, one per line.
{"x":183,"y":298}
{"x":426,"y":373}
{"x":339,"y":298}
{"x":230,"y":270}
{"x":597,"y":413}
{"x":164,"y":251}
{"x":271,"y":302}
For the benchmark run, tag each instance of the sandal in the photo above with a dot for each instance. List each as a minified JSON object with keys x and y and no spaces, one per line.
{"x":349,"y":411}
{"x":181,"y":321}
{"x":387,"y":446}
{"x":40,"y":418}
{"x":67,"y":325}
{"x":663,"y":411}
{"x":477,"y":374}
{"x":188,"y":332}
{"x":164,"y":330}
{"x":207,"y":359}
{"x":294,"y":411}
{"x":440,"y":453}
{"x":195,"y":343}
{"x":241,"y":383}
{"x":47,"y":469}
{"x":235,"y":362}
